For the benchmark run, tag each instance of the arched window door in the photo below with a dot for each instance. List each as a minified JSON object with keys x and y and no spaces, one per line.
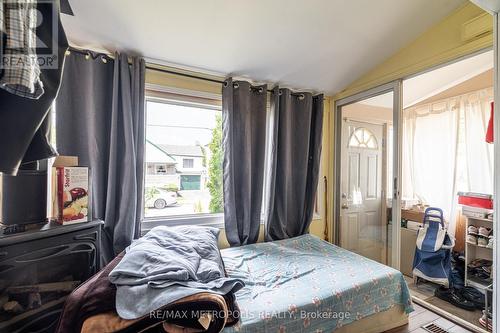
{"x":363,"y":138}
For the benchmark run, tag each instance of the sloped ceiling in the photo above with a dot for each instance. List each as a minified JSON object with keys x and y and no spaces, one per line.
{"x":443,"y":82}
{"x":321,"y":45}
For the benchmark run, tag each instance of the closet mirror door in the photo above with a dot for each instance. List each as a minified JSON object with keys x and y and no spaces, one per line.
{"x":366,"y":179}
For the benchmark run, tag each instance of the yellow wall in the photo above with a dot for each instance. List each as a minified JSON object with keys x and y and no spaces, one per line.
{"x":465,"y":31}
{"x":180,"y":82}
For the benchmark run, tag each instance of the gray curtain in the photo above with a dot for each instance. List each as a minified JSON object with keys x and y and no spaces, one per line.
{"x":244,"y":140}
{"x":100,"y":119}
{"x":294,"y":162}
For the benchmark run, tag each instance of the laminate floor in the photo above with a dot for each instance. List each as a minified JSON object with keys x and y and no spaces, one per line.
{"x":425,"y":292}
{"x":421,"y":316}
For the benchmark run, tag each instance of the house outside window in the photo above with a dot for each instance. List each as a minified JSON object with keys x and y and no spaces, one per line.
{"x":161,"y":169}
{"x":185,"y":134}
{"x":183,"y":177}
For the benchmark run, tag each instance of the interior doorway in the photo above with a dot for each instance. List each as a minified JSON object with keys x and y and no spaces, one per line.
{"x":366,"y":176}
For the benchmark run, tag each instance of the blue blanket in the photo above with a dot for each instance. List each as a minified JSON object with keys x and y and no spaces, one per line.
{"x":305,"y":284}
{"x":167,"y":264}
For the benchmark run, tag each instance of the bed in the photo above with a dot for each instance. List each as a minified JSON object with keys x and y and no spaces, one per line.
{"x":305,"y":284}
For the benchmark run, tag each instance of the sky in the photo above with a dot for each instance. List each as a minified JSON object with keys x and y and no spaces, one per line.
{"x":178,"y":125}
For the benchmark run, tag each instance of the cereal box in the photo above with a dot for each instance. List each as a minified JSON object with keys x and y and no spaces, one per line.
{"x":72,"y":195}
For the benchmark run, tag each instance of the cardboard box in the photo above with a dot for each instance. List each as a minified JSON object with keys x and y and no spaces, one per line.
{"x":53,"y":163}
{"x":65,"y":161}
{"x":71,"y":194}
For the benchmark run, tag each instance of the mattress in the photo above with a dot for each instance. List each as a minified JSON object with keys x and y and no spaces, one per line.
{"x":305,"y":284}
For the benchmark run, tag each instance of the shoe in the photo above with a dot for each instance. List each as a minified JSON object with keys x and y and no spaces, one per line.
{"x":472,"y":230}
{"x":480,"y":269}
{"x":484,"y":232}
{"x":482,"y":241}
{"x":471,"y":239}
{"x":486,"y":269}
{"x":452,"y":296}
{"x":485,"y":321}
{"x":476,"y":263}
{"x":473,"y":295}
{"x":483,"y":274}
{"x":490,"y":243}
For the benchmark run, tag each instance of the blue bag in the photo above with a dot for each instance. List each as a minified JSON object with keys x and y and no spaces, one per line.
{"x":432,"y":260}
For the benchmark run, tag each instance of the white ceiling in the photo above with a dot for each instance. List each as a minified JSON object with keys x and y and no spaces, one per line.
{"x":321,"y":45}
{"x":431,"y":83}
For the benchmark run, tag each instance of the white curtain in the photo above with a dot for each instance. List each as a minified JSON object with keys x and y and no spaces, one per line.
{"x":479,"y":154}
{"x":444,"y":151}
{"x":430,"y":139}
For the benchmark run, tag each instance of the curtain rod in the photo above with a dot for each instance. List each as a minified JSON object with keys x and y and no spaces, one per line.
{"x":184,"y":74}
{"x":95,"y":55}
{"x":210,"y":80}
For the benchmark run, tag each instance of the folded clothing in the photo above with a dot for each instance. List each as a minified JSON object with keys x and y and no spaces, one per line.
{"x":94,"y":301}
{"x":167,"y":264}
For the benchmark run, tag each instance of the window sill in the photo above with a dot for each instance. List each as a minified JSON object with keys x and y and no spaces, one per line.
{"x":212,"y":220}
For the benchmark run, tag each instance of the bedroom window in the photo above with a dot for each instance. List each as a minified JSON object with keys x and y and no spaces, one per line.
{"x":183,"y":157}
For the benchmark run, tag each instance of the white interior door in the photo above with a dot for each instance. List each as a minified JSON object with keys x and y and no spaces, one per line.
{"x":362,"y":227}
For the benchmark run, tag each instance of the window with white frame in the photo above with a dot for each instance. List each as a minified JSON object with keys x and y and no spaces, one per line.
{"x":183,"y":178}
{"x":185,"y":136}
{"x":188,"y":163}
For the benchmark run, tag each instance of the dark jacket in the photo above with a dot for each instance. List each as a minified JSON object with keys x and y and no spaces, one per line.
{"x":24,"y":123}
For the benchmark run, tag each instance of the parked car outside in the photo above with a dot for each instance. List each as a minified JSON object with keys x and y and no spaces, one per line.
{"x":162,"y":199}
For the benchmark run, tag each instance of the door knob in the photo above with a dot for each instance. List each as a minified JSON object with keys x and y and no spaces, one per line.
{"x":344,"y":206}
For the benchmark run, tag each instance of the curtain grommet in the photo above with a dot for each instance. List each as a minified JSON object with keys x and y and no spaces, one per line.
{"x":236,"y":85}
